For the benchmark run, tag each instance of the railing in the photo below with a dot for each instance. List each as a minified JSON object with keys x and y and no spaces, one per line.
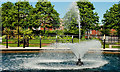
{"x":27,"y":40}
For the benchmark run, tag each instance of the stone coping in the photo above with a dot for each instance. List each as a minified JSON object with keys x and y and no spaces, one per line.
{"x":47,"y":48}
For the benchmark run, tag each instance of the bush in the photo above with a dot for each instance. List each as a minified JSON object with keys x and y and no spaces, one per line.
{"x":4,"y":36}
{"x":67,"y":39}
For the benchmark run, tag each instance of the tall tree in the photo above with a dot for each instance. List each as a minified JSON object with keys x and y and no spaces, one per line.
{"x":6,"y":14}
{"x":44,"y":15}
{"x":21,"y":12}
{"x":11,"y":13}
{"x":70,"y":21}
{"x":89,"y":18}
{"x":0,"y":21}
{"x":112,"y":18}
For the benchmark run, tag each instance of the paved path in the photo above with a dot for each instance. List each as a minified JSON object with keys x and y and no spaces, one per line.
{"x":111,"y":49}
{"x":37,"y":48}
{"x":1,"y":46}
{"x":29,"y":48}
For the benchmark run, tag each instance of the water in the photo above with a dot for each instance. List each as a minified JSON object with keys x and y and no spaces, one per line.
{"x":57,"y":61}
{"x":79,"y":49}
{"x":73,"y":15}
{"x":75,"y":8}
{"x":52,"y":60}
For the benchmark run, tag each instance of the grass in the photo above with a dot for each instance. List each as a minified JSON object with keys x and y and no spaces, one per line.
{"x":115,"y":46}
{"x":107,"y":46}
{"x":36,"y":42}
{"x":15,"y":45}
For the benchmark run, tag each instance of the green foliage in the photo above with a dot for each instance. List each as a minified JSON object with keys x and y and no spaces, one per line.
{"x":0,"y":22}
{"x":83,"y":38}
{"x":3,"y":37}
{"x":112,"y":18}
{"x":105,"y":31}
{"x":66,"y":39}
{"x":89,"y":18}
{"x":70,"y":21}
{"x":59,"y":32}
{"x":6,"y":14}
{"x":45,"y":16}
{"x":7,"y":31}
{"x":24,"y":15}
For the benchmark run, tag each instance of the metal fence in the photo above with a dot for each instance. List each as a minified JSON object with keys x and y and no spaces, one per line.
{"x":40,"y":40}
{"x":37,"y":40}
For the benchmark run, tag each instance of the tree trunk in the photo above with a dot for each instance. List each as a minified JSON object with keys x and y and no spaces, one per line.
{"x":44,"y":30}
{"x":26,"y":42}
{"x":87,"y":33}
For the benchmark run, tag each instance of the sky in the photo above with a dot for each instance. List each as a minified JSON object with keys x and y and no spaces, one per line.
{"x":62,"y":6}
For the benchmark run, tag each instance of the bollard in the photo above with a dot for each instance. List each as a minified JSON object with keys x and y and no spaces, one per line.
{"x":104,"y":42}
{"x":7,"y":41}
{"x":72,"y":38}
{"x":40,"y":41}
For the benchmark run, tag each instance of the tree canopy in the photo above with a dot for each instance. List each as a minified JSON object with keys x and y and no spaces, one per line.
{"x":6,"y":14}
{"x":44,"y":15}
{"x":71,"y":20}
{"x":24,"y":15}
{"x":112,"y":18}
{"x":88,"y":18}
{"x":0,"y":23}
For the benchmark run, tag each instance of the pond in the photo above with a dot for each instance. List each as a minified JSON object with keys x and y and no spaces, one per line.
{"x":57,"y":61}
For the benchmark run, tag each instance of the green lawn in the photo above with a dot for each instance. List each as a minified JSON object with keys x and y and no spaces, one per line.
{"x":115,"y":46}
{"x":45,"y":42}
{"x":32,"y":43}
{"x":36,"y":42}
{"x":107,"y":46}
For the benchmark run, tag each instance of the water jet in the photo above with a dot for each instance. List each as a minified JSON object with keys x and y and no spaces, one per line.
{"x":79,"y":62}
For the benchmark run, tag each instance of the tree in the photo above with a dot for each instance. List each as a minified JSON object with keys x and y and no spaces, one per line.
{"x":0,"y":22}
{"x":16,"y":16}
{"x":44,"y":15}
{"x":21,"y":12}
{"x":89,"y":19}
{"x":6,"y":14}
{"x":11,"y":13}
{"x":70,"y":21}
{"x":112,"y":18}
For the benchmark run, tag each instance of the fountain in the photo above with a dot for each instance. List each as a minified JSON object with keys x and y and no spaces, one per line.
{"x":57,"y":59}
{"x":87,"y":53}
{"x":66,"y":59}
